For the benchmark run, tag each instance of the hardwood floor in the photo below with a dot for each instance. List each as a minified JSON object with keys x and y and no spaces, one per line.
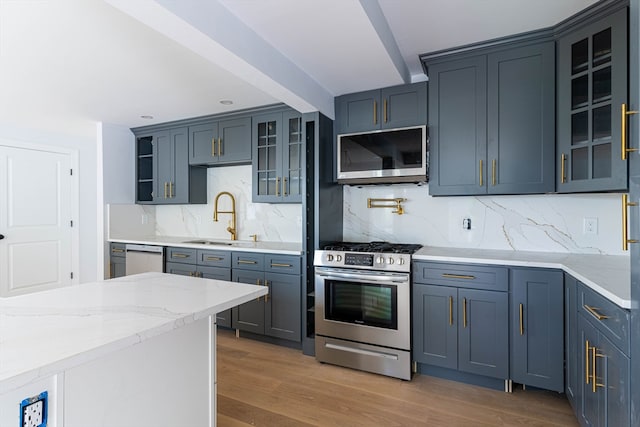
{"x":265,"y":385}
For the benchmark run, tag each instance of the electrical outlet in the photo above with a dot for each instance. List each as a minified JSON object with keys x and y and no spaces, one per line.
{"x":590,"y":225}
{"x":466,"y":224}
{"x":33,"y":411}
{"x":145,"y":219}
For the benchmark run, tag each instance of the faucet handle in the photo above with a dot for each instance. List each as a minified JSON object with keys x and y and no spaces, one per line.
{"x":254,"y":237}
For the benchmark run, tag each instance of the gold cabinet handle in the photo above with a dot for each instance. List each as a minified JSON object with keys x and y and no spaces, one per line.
{"x":111,"y":270}
{"x":384,"y":108}
{"x":219,"y":147}
{"x":375,"y":112}
{"x":117,"y":250}
{"x":214,"y":258}
{"x":166,"y":185}
{"x":625,"y":225}
{"x":266,"y":297}
{"x":593,"y":369}
{"x":277,"y":186}
{"x":243,"y":261}
{"x":276,"y":264}
{"x":258,"y":284}
{"x":563,"y":159}
{"x":623,"y":133}
{"x":521,"y":319}
{"x":457,"y":276}
{"x":586,"y":362}
{"x":172,"y":186}
{"x":284,"y":186}
{"x":179,"y":256}
{"x":595,"y":314}
{"x":481,"y":173}
{"x":493,"y":172}
{"x":213,"y":147}
{"x":464,"y":312}
{"x":450,"y":310}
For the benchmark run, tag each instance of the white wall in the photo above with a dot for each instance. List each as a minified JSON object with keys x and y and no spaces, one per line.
{"x":87,"y":222}
{"x":550,"y":222}
{"x":116,"y":169}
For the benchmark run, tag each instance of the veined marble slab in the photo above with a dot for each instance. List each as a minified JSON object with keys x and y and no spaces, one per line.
{"x":284,"y":248}
{"x":609,"y":275}
{"x":48,"y":332}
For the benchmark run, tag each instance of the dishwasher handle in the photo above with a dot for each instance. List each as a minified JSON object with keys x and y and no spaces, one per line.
{"x":144,"y":248}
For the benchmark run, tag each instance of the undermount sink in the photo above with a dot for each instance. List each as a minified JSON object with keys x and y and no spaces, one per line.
{"x":207,"y":242}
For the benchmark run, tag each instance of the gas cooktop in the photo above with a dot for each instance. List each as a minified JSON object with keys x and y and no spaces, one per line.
{"x":373,"y":247}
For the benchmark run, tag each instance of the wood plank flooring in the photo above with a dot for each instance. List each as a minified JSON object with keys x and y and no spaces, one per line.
{"x":265,"y":385}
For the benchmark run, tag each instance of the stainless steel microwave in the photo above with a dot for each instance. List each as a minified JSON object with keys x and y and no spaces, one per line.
{"x":383,"y":156}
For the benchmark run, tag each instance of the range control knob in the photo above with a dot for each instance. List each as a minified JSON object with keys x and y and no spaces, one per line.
{"x":329,"y":257}
{"x":390,"y":260}
{"x":380,"y":260}
{"x":401,"y":261}
{"x":339,"y":258}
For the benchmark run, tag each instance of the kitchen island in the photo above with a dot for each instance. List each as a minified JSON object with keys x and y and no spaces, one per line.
{"x":139,"y":350}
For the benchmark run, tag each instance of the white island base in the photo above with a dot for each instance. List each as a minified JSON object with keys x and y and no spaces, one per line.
{"x":161,"y":375}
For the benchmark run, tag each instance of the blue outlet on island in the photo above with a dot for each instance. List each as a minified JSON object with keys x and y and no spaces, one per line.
{"x":33,"y":411}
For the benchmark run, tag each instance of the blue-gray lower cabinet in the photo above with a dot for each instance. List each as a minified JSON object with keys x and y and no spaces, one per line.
{"x":604,"y":361}
{"x":537,"y":340}
{"x":117,"y":264}
{"x":279,"y":313}
{"x":461,"y":318}
{"x":572,"y":385}
{"x":435,"y":325}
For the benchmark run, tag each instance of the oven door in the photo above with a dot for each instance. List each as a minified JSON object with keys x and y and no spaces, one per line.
{"x":370,"y":307}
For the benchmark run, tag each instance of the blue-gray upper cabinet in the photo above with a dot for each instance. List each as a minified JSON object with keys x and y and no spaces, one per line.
{"x":387,"y":108}
{"x":537,"y":338}
{"x":278,"y":157}
{"x":220,"y":142}
{"x":592,"y":77}
{"x":492,"y":122}
{"x":163,"y":173}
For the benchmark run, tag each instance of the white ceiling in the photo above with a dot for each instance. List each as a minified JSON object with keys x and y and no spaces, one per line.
{"x":67,"y":64}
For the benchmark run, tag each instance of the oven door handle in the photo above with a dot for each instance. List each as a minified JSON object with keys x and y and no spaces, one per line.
{"x":365,"y":277}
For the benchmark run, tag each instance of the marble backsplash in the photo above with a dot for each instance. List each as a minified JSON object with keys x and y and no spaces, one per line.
{"x":271,"y":222}
{"x":550,"y":222}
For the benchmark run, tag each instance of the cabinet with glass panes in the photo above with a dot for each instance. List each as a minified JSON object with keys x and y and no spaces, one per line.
{"x":592,"y":87}
{"x":278,"y":157}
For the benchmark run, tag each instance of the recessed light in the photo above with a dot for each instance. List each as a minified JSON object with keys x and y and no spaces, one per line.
{"x":146,"y":117}
{"x":226,"y":102}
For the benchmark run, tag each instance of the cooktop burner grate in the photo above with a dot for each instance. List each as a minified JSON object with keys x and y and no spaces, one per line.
{"x":375,"y":247}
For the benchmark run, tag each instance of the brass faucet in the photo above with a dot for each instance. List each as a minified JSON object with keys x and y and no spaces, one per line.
{"x":232,"y":228}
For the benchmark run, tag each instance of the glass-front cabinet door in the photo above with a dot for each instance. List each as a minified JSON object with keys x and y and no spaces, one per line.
{"x":592,"y":74}
{"x":278,"y":161}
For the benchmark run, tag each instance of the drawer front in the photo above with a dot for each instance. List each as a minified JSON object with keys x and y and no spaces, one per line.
{"x":611,"y":320}
{"x":214,"y":258}
{"x":287,"y":264}
{"x":183,"y":255}
{"x":117,"y":250}
{"x":218,"y":273}
{"x":247,"y":261}
{"x":461,"y":275}
{"x":180,"y":269}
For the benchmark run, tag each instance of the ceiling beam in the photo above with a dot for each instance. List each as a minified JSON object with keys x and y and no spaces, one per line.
{"x":381,"y":26}
{"x":209,"y":29}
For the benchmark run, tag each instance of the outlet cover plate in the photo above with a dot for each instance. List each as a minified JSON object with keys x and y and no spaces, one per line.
{"x":590,"y":226}
{"x":33,"y":411}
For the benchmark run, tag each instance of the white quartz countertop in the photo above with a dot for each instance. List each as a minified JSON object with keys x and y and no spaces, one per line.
{"x":285,"y":248}
{"x":47,"y":332}
{"x":609,"y":275}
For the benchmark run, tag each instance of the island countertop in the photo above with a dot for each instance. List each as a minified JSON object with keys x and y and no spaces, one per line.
{"x":47,"y":332}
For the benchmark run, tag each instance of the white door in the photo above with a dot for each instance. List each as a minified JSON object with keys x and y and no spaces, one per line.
{"x":35,"y":220}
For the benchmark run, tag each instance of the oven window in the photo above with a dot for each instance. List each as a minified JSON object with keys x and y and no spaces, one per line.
{"x":361,"y":303}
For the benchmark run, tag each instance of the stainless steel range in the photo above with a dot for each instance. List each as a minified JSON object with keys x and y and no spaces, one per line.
{"x":363,"y":306}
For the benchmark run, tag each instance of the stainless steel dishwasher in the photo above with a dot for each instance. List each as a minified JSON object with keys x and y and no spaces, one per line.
{"x":144,"y":258}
